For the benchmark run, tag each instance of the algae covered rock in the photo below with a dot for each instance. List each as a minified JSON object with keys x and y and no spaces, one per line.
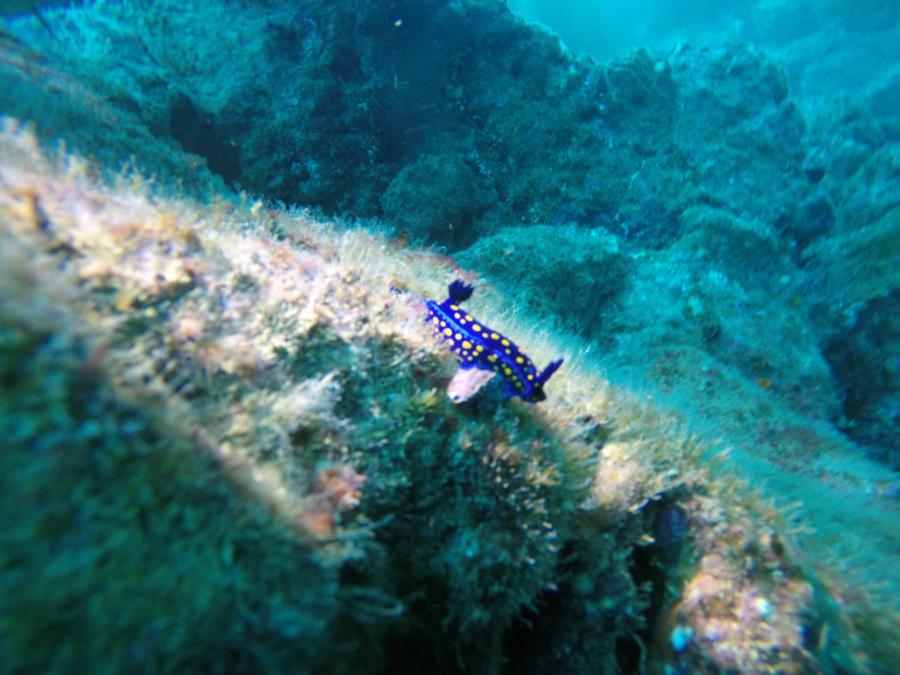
{"x":675,"y":214}
{"x":565,"y":272}
{"x":439,"y":198}
{"x":231,"y":450}
{"x":852,"y":273}
{"x":293,"y":415}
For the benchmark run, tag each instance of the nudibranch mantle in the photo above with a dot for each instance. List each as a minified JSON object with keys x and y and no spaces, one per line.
{"x":477,"y":346}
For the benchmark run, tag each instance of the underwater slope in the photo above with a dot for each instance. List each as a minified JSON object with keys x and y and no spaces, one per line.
{"x":737,"y":257}
{"x":709,"y":212}
{"x":228,"y":446}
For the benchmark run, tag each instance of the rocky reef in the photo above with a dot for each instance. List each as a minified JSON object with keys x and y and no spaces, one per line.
{"x":228,"y":447}
{"x":230,"y":444}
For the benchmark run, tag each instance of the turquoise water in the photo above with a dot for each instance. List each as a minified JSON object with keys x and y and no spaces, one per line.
{"x":703,"y":198}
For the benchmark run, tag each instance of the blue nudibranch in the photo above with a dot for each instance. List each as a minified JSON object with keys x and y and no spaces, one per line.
{"x":477,"y":346}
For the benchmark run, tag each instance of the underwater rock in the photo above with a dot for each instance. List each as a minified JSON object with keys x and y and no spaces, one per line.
{"x":748,"y":251}
{"x":648,"y":205}
{"x":883,"y":97}
{"x":815,"y":217}
{"x":737,"y":80}
{"x":580,"y":275}
{"x":864,"y":357}
{"x":438,"y":198}
{"x":340,"y":106}
{"x":852,"y":272}
{"x":815,"y":164}
{"x":252,"y":427}
{"x":638,"y":94}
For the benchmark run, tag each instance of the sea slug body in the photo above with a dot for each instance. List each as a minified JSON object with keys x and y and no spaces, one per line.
{"x":477,"y":346}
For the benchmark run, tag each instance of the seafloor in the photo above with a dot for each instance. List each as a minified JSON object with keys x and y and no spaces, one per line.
{"x":227,"y":442}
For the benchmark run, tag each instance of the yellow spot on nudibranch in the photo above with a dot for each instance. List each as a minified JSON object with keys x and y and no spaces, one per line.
{"x":494,"y":336}
{"x":531,"y":377}
{"x":467,"y":344}
{"x":435,"y":321}
{"x":468,"y":317}
{"x":476,"y":327}
{"x":453,"y":308}
{"x":505,"y":343}
{"x":443,"y":323}
{"x":507,"y":371}
{"x":458,"y":336}
{"x":448,"y":332}
{"x":456,"y":316}
{"x":519,"y":359}
{"x":492,"y":357}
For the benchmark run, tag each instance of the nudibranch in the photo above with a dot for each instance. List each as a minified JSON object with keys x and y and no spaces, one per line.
{"x":477,"y":346}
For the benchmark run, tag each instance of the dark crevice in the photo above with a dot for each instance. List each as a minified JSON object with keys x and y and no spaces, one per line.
{"x":566,"y":630}
{"x":196,"y":131}
{"x":859,"y":359}
{"x":629,"y":654}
